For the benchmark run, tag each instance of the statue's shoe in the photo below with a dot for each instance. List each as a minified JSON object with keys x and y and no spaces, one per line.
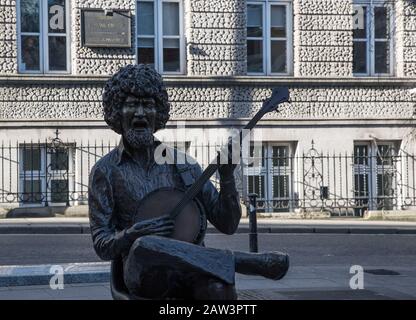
{"x":273,"y":265}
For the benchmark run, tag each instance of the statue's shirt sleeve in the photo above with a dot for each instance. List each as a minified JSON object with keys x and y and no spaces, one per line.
{"x":109,"y":243}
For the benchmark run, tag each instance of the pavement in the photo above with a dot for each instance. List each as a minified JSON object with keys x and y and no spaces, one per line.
{"x":300,"y":283}
{"x":266,"y":225}
{"x":91,"y":280}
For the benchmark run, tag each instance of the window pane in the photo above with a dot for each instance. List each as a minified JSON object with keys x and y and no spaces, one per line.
{"x":361,"y":185}
{"x":382,"y":57}
{"x":170,"y":19}
{"x":254,"y":56}
{"x":254,"y":20}
{"x":360,"y":155}
{"x":145,"y":18}
{"x":171,"y":55}
{"x":31,"y":191}
{"x":280,"y":186}
{"x":385,"y":184}
{"x":31,"y":159}
{"x":57,"y":53}
{"x":56,"y":16}
{"x":256,"y":185}
{"x":146,"y":51}
{"x":380,"y":22}
{"x":59,"y":191}
{"x":29,"y":15}
{"x":278,"y":21}
{"x":385,"y":155}
{"x":59,"y":160}
{"x":280,"y":156}
{"x":360,"y":57}
{"x":360,"y":22}
{"x":278,"y":57}
{"x":30,"y":53}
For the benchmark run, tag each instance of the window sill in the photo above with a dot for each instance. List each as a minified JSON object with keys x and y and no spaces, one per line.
{"x":174,"y":80}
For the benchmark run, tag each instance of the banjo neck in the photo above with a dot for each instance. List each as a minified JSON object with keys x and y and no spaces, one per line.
{"x":271,"y":104}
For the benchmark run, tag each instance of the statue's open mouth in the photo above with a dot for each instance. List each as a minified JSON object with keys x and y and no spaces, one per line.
{"x":140,"y":125}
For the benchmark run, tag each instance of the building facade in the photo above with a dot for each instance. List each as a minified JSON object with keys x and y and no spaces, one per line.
{"x":345,"y":144}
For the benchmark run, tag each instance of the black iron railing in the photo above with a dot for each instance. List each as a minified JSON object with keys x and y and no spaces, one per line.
{"x":54,"y":172}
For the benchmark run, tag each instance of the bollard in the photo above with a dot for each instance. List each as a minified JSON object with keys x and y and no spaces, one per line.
{"x":253,"y":222}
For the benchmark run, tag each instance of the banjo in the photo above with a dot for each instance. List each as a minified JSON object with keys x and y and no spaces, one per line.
{"x":183,"y":206}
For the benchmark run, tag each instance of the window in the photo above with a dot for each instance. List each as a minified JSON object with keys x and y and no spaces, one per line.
{"x":375,"y":185}
{"x":372,"y":38}
{"x":269,"y":37}
{"x":45,"y":174}
{"x":270,"y":177}
{"x":43,"y":36}
{"x":160,"y":35}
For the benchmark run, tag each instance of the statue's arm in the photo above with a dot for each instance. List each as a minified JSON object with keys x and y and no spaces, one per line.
{"x":108,"y":242}
{"x":223,"y":208}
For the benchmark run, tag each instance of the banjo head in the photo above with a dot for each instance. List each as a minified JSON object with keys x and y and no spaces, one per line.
{"x":190,"y":224}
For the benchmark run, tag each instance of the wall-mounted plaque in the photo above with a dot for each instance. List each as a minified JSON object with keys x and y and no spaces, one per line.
{"x":100,"y":30}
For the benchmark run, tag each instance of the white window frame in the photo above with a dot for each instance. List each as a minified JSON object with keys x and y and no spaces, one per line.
{"x":372,"y":169}
{"x":268,"y":171}
{"x":267,"y":39}
{"x":43,"y":175}
{"x":36,"y":174}
{"x":370,"y":40}
{"x":43,"y":39}
{"x":159,"y":37}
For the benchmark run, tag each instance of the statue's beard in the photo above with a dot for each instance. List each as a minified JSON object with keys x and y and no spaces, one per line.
{"x":139,"y":139}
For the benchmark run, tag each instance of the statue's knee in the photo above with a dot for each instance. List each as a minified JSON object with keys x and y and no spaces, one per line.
{"x":144,"y":241}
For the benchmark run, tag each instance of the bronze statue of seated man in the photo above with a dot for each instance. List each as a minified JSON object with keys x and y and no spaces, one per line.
{"x":156,"y":266}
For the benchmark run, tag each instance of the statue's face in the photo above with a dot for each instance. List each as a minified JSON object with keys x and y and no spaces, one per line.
{"x":138,"y":120}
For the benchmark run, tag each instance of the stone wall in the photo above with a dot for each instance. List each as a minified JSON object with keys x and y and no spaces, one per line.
{"x":322,"y":38}
{"x":216,"y":32}
{"x":212,"y":101}
{"x":99,"y":61}
{"x":8,"y":37}
{"x":406,"y":37}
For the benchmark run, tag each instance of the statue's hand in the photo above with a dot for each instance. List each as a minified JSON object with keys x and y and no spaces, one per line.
{"x":160,"y":226}
{"x":226,"y":169}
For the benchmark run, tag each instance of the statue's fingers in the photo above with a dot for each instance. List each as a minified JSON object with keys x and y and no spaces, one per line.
{"x":163,"y":228}
{"x":166,"y":217}
{"x":163,"y":234}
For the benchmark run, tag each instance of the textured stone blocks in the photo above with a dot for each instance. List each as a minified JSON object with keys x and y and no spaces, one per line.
{"x":8,"y":14}
{"x":117,"y":4}
{"x":409,"y":7}
{"x":323,"y":22}
{"x":226,"y":20}
{"x":216,"y":68}
{"x":99,"y":61}
{"x":409,"y":54}
{"x":325,"y":38}
{"x":202,"y":101}
{"x":217,"y":5}
{"x":217,"y":52}
{"x":322,"y":54}
{"x":409,"y":39}
{"x":341,"y":7}
{"x":217,"y":36}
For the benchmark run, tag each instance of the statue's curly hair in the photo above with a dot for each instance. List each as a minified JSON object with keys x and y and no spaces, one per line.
{"x":139,"y":80}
